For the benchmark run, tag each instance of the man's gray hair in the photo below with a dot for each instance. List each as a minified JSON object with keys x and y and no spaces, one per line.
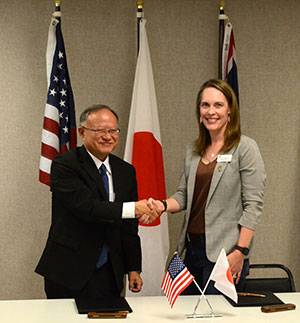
{"x":94,"y":108}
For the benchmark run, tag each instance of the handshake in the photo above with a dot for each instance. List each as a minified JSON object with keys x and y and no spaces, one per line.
{"x":147,"y":211}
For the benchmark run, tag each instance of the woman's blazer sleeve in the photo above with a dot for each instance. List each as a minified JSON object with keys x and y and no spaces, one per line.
{"x":253,"y":181}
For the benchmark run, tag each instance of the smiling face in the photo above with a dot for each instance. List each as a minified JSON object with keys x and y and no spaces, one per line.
{"x":214,"y":111}
{"x":100,"y":144}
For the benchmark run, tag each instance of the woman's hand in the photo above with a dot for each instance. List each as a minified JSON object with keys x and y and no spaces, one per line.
{"x":236,"y":262}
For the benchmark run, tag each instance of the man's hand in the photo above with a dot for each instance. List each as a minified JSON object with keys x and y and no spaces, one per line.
{"x":145,"y":212}
{"x":141,"y":208}
{"x":156,"y":205}
{"x":156,"y":208}
{"x":135,"y":281}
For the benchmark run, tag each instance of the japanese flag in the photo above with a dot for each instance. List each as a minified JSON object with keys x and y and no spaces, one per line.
{"x":144,"y":150}
{"x":222,"y":276}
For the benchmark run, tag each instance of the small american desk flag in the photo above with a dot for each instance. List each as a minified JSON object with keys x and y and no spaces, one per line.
{"x":176,"y":279}
{"x":59,"y":127}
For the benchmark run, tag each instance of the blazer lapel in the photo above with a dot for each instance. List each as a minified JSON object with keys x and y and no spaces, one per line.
{"x":117,"y":176}
{"x":92,"y":171}
{"x":191,"y":181}
{"x":218,"y":172}
{"x":217,"y":175}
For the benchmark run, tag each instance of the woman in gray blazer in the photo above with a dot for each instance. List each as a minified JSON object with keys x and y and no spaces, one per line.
{"x":221,"y":188}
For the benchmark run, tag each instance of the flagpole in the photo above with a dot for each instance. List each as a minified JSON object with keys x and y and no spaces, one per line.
{"x":222,"y":17}
{"x":212,"y":313}
{"x":200,"y":297}
{"x":139,"y":16}
{"x":57,"y":5}
{"x":203,"y":295}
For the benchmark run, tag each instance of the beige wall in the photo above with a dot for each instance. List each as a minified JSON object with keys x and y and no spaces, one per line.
{"x":100,"y":38}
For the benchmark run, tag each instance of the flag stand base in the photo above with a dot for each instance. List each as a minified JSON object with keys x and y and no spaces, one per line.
{"x":210,"y":314}
{"x":200,"y":316}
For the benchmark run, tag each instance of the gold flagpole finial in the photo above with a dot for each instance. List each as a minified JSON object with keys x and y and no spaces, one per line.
{"x":222,"y":4}
{"x":139,"y":4}
{"x":57,"y":3}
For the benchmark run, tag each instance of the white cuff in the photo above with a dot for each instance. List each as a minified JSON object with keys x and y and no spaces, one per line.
{"x":128,"y":211}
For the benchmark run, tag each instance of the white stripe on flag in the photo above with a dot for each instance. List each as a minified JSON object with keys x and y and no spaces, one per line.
{"x":51,"y":112}
{"x":45,"y":164}
{"x":50,"y":139}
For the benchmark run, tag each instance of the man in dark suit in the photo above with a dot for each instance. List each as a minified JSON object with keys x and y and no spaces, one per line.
{"x":93,"y":239}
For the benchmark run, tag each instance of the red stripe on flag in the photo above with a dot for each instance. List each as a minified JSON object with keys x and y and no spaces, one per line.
{"x":73,"y":138}
{"x":51,"y":125}
{"x":230,"y":56}
{"x":48,"y":151}
{"x":44,"y":178}
{"x":182,"y":281}
{"x":166,"y":284}
{"x":181,"y":278}
{"x":147,"y":159}
{"x":165,"y":281}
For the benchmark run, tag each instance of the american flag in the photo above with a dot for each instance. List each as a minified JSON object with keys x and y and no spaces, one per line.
{"x":229,"y":66}
{"x":176,"y":279}
{"x":59,"y":127}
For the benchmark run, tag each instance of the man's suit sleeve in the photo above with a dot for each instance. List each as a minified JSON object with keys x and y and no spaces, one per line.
{"x":130,"y":237}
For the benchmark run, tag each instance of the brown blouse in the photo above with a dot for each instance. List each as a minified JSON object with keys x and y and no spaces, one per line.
{"x":204,"y":175}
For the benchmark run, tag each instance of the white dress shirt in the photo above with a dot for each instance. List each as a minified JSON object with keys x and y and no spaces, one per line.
{"x":128,"y":207}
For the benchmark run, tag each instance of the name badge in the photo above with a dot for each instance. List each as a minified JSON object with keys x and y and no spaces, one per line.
{"x":224,"y":158}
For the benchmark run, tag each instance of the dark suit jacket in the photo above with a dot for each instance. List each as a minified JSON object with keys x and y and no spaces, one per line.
{"x":83,"y":219}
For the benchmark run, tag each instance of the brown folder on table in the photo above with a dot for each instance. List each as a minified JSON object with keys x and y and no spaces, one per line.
{"x":107,"y":304}
{"x":255,"y":299}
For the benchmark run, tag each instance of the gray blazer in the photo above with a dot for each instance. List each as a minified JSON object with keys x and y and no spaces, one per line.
{"x":235,"y":197}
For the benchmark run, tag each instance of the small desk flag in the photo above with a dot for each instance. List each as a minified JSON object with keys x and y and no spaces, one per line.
{"x":176,"y":279}
{"x":222,"y":276}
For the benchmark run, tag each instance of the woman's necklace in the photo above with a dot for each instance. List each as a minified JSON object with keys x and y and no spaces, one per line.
{"x":209,"y":157}
{"x":207,"y":160}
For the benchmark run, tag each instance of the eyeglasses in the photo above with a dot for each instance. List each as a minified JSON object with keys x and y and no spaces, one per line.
{"x":102,"y":132}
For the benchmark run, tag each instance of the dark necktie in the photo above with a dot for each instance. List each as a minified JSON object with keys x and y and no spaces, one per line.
{"x":104,"y":177}
{"x":103,"y":257}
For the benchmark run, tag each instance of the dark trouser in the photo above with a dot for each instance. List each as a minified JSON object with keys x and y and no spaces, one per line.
{"x":101,"y":284}
{"x":200,"y":267}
